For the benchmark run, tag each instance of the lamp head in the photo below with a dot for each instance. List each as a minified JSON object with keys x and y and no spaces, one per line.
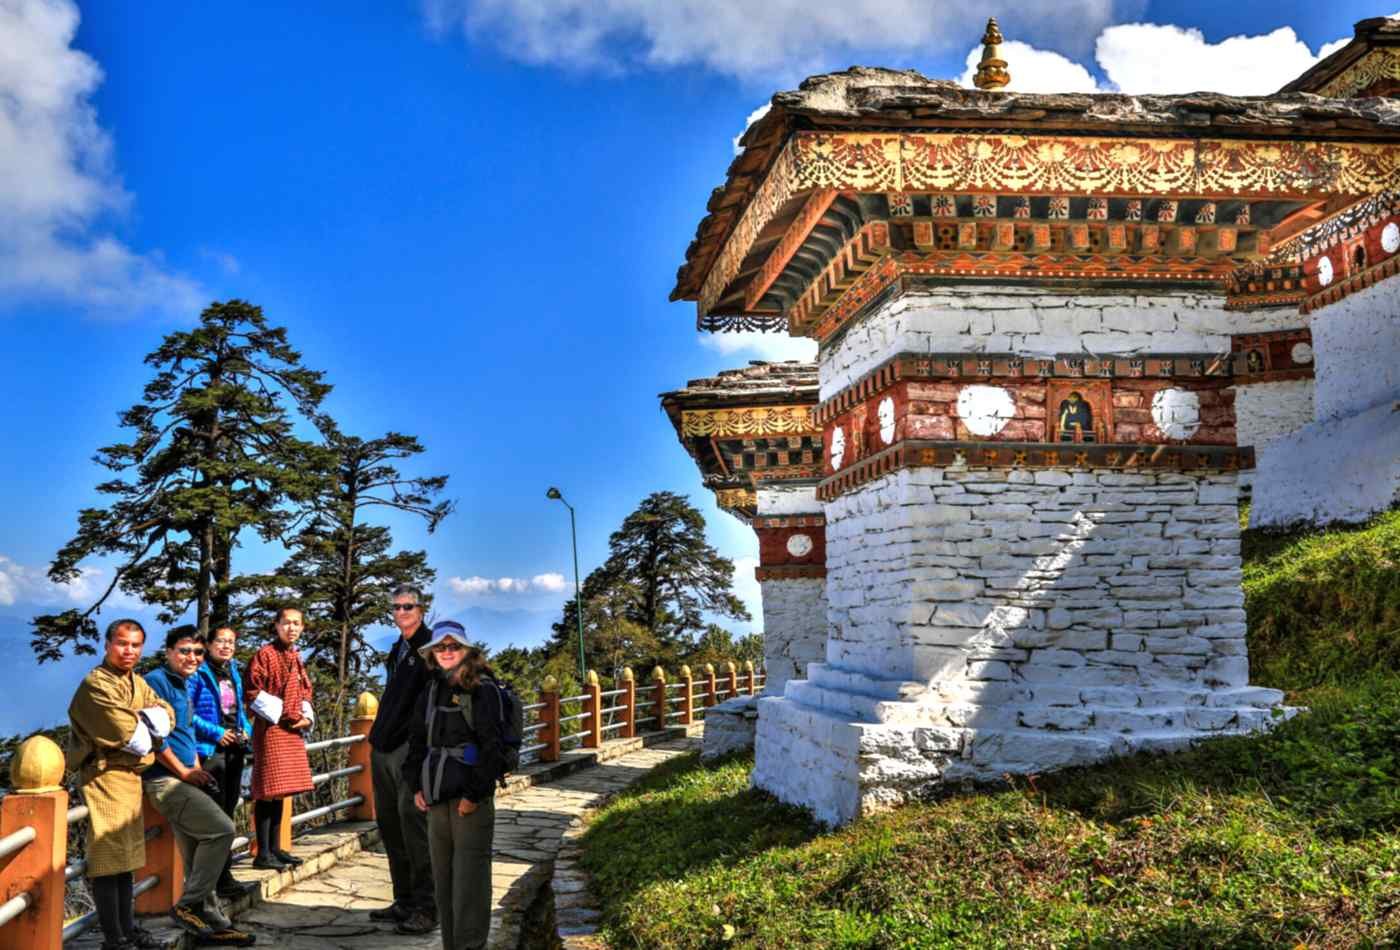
{"x":554,"y":494}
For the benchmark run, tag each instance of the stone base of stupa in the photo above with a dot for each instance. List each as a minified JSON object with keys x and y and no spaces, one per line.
{"x":845,"y":745}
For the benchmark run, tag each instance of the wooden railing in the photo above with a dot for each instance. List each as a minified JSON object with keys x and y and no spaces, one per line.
{"x":35,"y":817}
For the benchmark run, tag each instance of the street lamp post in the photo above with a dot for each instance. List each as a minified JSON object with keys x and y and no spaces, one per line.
{"x":556,"y":495}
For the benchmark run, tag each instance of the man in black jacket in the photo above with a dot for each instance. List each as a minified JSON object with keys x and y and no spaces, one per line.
{"x":402,"y":827}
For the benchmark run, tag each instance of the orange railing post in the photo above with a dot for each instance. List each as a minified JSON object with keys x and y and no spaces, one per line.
{"x":593,"y":706}
{"x":687,"y":696}
{"x":658,"y":682}
{"x":362,"y":782}
{"x":709,"y":685}
{"x":162,"y":860}
{"x":549,"y":715}
{"x":733,"y":687}
{"x":749,"y":675}
{"x":40,"y":803}
{"x":629,"y":702}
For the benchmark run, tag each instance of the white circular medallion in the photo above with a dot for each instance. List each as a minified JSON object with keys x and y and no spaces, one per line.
{"x":838,"y":448}
{"x":1390,"y":238}
{"x":985,"y":410}
{"x":1302,"y":353}
{"x":1324,"y":271}
{"x":799,"y":545}
{"x":886,"y":416}
{"x":1177,"y":413}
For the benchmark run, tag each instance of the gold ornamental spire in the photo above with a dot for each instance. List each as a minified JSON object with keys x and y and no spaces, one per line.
{"x":991,"y":72}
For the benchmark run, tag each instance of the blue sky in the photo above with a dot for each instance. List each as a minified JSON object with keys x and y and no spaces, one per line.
{"x":468,"y":213}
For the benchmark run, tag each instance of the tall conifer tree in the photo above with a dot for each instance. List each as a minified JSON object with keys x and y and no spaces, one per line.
{"x":340,"y":570}
{"x":213,"y":453}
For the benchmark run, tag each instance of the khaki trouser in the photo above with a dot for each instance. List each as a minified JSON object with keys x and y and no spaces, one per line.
{"x":204,"y":835}
{"x":403,"y":829}
{"x":461,"y":850}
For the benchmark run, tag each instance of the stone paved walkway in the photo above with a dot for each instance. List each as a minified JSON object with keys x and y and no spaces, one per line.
{"x":332,"y":909}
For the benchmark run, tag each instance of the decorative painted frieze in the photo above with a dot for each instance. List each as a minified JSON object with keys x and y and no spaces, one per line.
{"x":1272,"y":357}
{"x":747,"y":421}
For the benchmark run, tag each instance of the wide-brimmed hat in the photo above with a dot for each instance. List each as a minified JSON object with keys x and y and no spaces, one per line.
{"x":445,"y":630}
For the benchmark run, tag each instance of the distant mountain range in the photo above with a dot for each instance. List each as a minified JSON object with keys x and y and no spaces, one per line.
{"x":34,"y":696}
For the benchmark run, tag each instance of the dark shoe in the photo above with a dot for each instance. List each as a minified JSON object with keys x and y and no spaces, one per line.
{"x":232,"y":889}
{"x":417,"y":923}
{"x":143,"y":939}
{"x":391,"y":914}
{"x":190,"y":920}
{"x":287,"y":858}
{"x":268,"y":861}
{"x":119,"y":945}
{"x":228,"y":937}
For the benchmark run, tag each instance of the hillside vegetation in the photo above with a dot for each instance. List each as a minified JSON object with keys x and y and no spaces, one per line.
{"x":1285,"y":840}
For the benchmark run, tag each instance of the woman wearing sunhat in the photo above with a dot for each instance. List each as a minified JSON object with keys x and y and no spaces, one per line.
{"x":455,"y":755}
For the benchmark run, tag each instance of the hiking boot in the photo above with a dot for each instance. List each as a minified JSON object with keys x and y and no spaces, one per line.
{"x":417,"y":922}
{"x":190,"y":920}
{"x":228,"y":937}
{"x":287,"y":858}
{"x":392,"y":914}
{"x":269,"y":862}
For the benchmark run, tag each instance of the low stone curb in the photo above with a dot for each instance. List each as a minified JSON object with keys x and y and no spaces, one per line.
{"x":576,"y":911}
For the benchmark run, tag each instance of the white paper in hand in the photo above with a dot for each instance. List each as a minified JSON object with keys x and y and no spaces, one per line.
{"x":269,"y":707}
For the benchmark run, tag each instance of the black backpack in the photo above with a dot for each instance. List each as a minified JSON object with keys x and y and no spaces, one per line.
{"x":511,"y":719}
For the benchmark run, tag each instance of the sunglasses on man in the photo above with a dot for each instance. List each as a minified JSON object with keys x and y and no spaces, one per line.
{"x":188,"y":651}
{"x":402,"y":607}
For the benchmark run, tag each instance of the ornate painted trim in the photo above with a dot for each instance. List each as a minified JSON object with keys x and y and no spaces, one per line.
{"x":1376,"y":66}
{"x":789,"y":521}
{"x":1005,"y":163}
{"x":1265,"y":284}
{"x":734,"y":499}
{"x":824,"y":309}
{"x":1272,"y":357}
{"x":1037,"y":455}
{"x":748,"y":422}
{"x":787,"y":572}
{"x":981,"y":367}
{"x":1366,"y":252}
{"x":792,"y":241}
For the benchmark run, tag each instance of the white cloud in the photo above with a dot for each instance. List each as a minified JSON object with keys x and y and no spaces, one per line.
{"x":548,"y":582}
{"x":1034,"y":70}
{"x":1148,"y":57}
{"x":744,"y":38}
{"x":761,"y":346}
{"x":489,"y":587}
{"x":22,"y":584}
{"x":754,"y":116}
{"x":57,"y":185}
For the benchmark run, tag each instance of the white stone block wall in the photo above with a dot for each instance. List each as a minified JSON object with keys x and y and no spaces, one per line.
{"x":1103,"y":577}
{"x":794,"y":628}
{"x":1033,"y":323}
{"x":729,"y":727}
{"x":788,"y":500}
{"x":1267,"y":411}
{"x":1356,"y":343}
{"x":1334,"y":470}
{"x":986,"y":622}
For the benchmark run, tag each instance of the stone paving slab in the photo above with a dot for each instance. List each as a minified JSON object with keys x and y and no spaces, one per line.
{"x":331,"y":910}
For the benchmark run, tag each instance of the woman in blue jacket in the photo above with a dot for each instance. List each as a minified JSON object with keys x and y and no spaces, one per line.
{"x":221,"y":729}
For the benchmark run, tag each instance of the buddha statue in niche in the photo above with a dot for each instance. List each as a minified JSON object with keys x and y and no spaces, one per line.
{"x":1076,"y":419}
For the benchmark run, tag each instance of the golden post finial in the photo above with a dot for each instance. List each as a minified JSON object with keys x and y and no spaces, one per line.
{"x":991,"y":72}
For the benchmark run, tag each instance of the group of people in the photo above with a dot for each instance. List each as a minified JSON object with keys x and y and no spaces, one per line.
{"x":181,"y":736}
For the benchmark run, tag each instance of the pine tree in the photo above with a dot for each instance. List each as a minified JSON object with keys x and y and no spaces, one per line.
{"x":673,"y":576}
{"x":340,"y":571}
{"x":214,"y":452}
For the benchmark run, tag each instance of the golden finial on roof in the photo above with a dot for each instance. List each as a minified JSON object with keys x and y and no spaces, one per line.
{"x":991,"y":72}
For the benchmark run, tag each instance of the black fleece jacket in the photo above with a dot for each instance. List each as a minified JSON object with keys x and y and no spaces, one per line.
{"x":451,"y":729}
{"x":405,"y":679}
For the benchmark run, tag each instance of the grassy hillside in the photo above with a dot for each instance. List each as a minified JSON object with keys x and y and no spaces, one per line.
{"x":1324,"y":606}
{"x":1285,"y":840}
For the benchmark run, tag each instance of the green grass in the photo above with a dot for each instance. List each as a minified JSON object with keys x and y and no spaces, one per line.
{"x":1324,"y":606}
{"x":1285,"y":840}
{"x":1293,"y":838}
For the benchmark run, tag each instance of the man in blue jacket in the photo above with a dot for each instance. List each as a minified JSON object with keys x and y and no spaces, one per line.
{"x":221,"y":731}
{"x":175,"y":787}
